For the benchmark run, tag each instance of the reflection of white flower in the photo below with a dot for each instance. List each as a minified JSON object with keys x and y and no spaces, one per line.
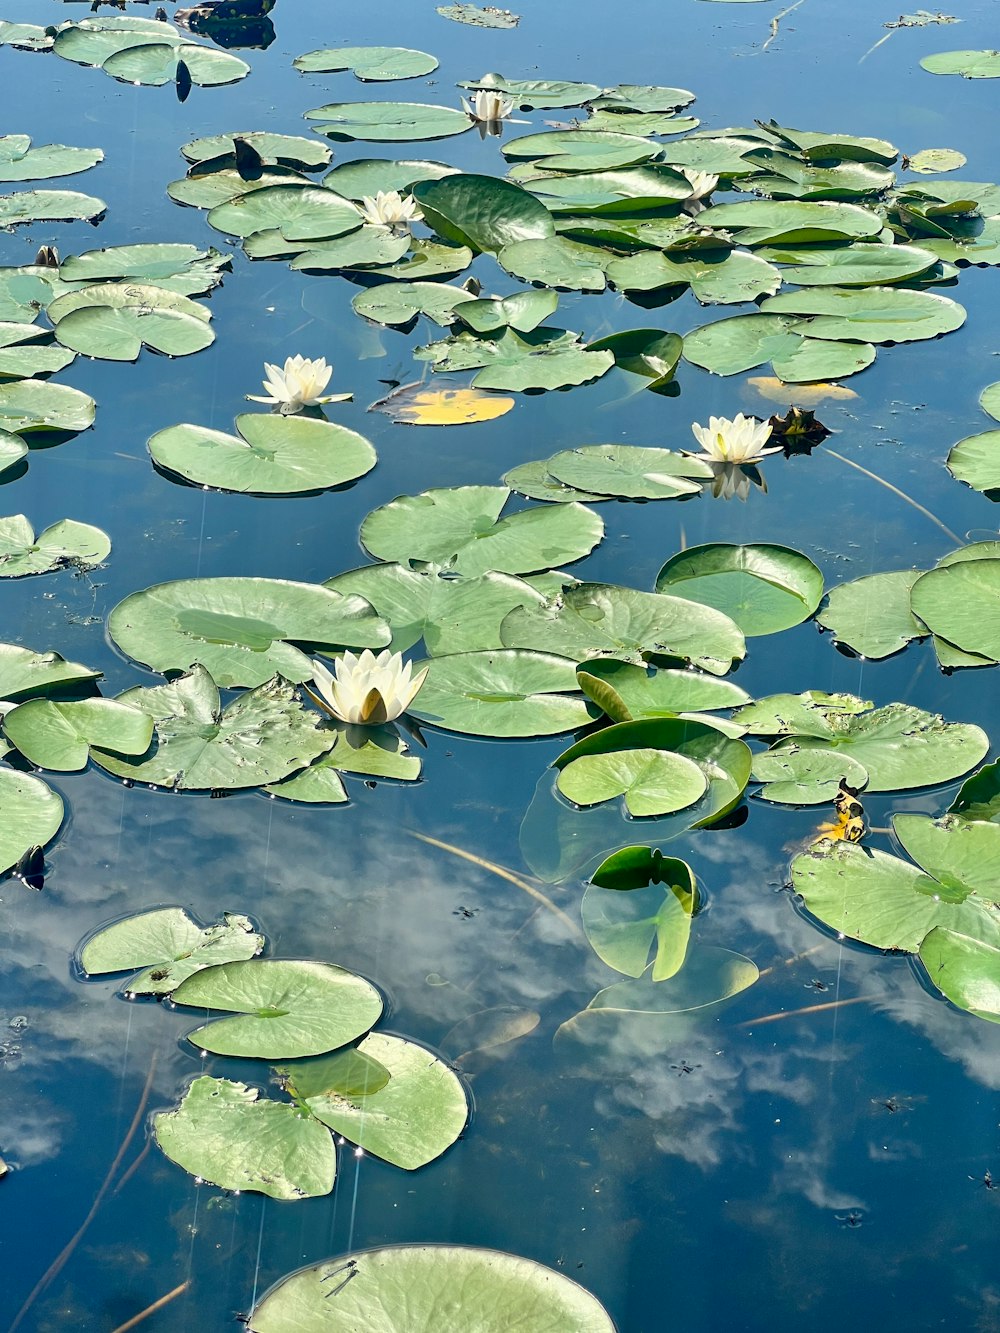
{"x":702,"y":184}
{"x":489,"y":107}
{"x":299,"y":384}
{"x":732,"y":481}
{"x":367,"y":689}
{"x":389,"y":209}
{"x":740,"y":440}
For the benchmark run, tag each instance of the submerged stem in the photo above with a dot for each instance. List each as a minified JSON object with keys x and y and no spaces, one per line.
{"x":896,"y":491}
{"x":809,"y":1009}
{"x":504,"y":874}
{"x":152,"y":1309}
{"x":776,"y":20}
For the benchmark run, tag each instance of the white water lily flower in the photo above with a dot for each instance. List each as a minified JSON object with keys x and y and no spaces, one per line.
{"x":388,"y":208}
{"x":300,"y":383}
{"x":366,"y":690}
{"x":702,"y":184}
{"x":740,"y":440}
{"x":488,"y":107}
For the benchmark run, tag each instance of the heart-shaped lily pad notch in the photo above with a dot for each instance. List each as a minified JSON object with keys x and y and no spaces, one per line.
{"x":59,"y":735}
{"x":262,"y":736}
{"x":415,"y":1117}
{"x":239,"y":627}
{"x":169,"y":945}
{"x":223,"y":1132}
{"x":114,"y":321}
{"x":653,"y":782}
{"x":762,"y":588}
{"x":371,"y":64}
{"x":637,"y":901}
{"x":286,"y":1008}
{"x":272,"y":455}
{"x":64,"y":543}
{"x":30,"y":815}
{"x":405,"y":1288}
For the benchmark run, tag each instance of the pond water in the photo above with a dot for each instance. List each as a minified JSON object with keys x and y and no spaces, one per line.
{"x":816,"y":1151}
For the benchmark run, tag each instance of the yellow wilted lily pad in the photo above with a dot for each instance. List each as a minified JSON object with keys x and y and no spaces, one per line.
{"x":419,"y":404}
{"x":805,"y":395}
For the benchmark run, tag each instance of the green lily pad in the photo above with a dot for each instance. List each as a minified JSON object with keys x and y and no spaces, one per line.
{"x":368,"y":175}
{"x":872,"y":615}
{"x":478,"y":16}
{"x":581,"y":150}
{"x":288,"y":150}
{"x":399,"y":303}
{"x":859,"y":264}
{"x":536,"y":93}
{"x":501,"y":692}
{"x":989,"y":400}
{"x":979,"y":795}
{"x":30,"y":815}
{"x":870,"y":314}
{"x":628,"y":471}
{"x":12,"y":450}
{"x":969,"y":64}
{"x":642,"y":97}
{"x":819,"y":146}
{"x":169,"y":945}
{"x":715,"y":277}
{"x":623,"y":926}
{"x":388,"y":122}
{"x":933,"y":160}
{"x":482,"y":212}
{"x":115,"y":321}
{"x":184,"y":269}
{"x":25,"y":36}
{"x":24,"y":672}
{"x":415,"y":1117}
{"x":413,"y":1288}
{"x":225,"y":1133}
{"x":346,"y":1072}
{"x":28,"y":349}
{"x":285,"y":1008}
{"x":965,"y":970}
{"x":49,"y":206}
{"x":91,"y":40}
{"x":59,"y":735}
{"x":742,"y":342}
{"x":523,"y":311}
{"x":557,"y":262}
{"x":375,"y":64}
{"x":542,"y":359}
{"x":380,"y":752}
{"x":650,"y":353}
{"x":960,"y":602}
{"x":534,"y":481}
{"x":298,"y":212}
{"x":806,"y":777}
{"x":963,"y":855}
{"x":812,"y":713}
{"x":599,"y":619}
{"x":238,"y":628}
{"x":272,"y":455}
{"x":34,"y":405}
{"x":767,"y":221}
{"x":653,"y":782}
{"x":363,"y":249}
{"x":461,"y":527}
{"x":627,"y":692}
{"x":207,"y":189}
{"x":762,"y":588}
{"x":976,"y":461}
{"x":20,"y":162}
{"x":156,"y":63}
{"x":64,"y":543}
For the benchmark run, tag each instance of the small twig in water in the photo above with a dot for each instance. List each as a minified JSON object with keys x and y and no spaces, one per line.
{"x":133,"y":1168}
{"x":775,"y":22}
{"x":896,"y":491}
{"x":56,"y":1266}
{"x":504,"y":874}
{"x":152,"y":1309}
{"x":787,"y":962}
{"x":809,"y":1009}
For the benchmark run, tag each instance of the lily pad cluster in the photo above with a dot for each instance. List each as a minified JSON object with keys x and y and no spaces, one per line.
{"x":389,"y":1096}
{"x":941,"y":905}
{"x":956,"y":603}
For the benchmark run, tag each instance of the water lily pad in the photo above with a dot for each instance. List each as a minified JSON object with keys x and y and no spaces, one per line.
{"x":461,"y":527}
{"x":273,"y":455}
{"x":388,"y":122}
{"x":534,"y":481}
{"x":976,"y":461}
{"x":25,"y":36}
{"x":628,"y":471}
{"x":33,"y":405}
{"x":115,"y":321}
{"x":289,"y":150}
{"x":27,"y":350}
{"x":64,"y":543}
{"x":184,"y":269}
{"x":762,"y":588}
{"x":501,"y":693}
{"x":30,"y":815}
{"x":399,"y":303}
{"x":363,"y":249}
{"x":157,"y":63}
{"x":91,"y":40}
{"x":859,"y":264}
{"x":285,"y":1009}
{"x":818,"y":146}
{"x":557,"y":262}
{"x":933,"y":160}
{"x":646,"y":906}
{"x":806,"y":777}
{"x":59,"y":735}
{"x":49,"y":206}
{"x":979,"y":795}
{"x":346,"y":1072}
{"x":581,"y":150}
{"x":239,"y":627}
{"x":542,"y":359}
{"x":653,"y":782}
{"x":742,"y":342}
{"x":960,"y":602}
{"x":523,"y":311}
{"x":969,"y":64}
{"x":24,"y":672}
{"x":628,"y":692}
{"x":479,"y":16}
{"x":297,"y":212}
{"x":413,"y":1288}
{"x":965,"y":970}
{"x":640,"y":97}
{"x":369,"y":63}
{"x":263,"y":736}
{"x":209,"y":188}
{"x":711,"y":975}
{"x":872,"y":615}
{"x":963,"y":855}
{"x":482,"y":212}
{"x":444,"y":404}
{"x":368,"y":175}
{"x":225,"y":1133}
{"x":415,"y":1117}
{"x":650,"y":353}
{"x":169,"y":945}
{"x":872,"y":314}
{"x":767,"y":221}
{"x":536,"y":93}
{"x":20,"y":162}
{"x":599,"y":619}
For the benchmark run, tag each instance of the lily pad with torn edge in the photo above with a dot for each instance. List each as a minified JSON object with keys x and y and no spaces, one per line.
{"x":64,"y":543}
